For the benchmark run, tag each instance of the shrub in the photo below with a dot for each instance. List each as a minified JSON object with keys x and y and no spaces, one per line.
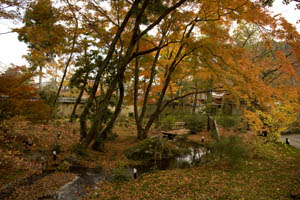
{"x":228,"y":121}
{"x":120,"y":175}
{"x":64,"y":166}
{"x":19,"y":97}
{"x":79,"y":150}
{"x":231,"y":150}
{"x":214,"y":135}
{"x":48,"y":94}
{"x":168,"y":121}
{"x":195,"y":122}
{"x":112,"y":136}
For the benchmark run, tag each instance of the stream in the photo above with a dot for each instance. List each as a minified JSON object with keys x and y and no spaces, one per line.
{"x":85,"y":178}
{"x":76,"y":189}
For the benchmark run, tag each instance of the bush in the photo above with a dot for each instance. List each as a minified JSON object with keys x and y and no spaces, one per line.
{"x":214,"y":135}
{"x":168,"y":121}
{"x":48,"y":94}
{"x":79,"y":150}
{"x":120,"y":175}
{"x":19,"y":97}
{"x":195,"y":122}
{"x":228,"y":121}
{"x":112,"y":136}
{"x":64,"y":166}
{"x":231,"y":150}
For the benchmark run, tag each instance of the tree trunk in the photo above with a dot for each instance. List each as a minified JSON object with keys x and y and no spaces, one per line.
{"x":100,"y":141}
{"x":73,"y":114}
{"x":195,"y":101}
{"x":65,"y":72}
{"x":97,"y":124}
{"x":79,"y":97}
{"x":83,"y":125}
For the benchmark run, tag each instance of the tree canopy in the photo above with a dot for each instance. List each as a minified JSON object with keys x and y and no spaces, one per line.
{"x":150,"y":49}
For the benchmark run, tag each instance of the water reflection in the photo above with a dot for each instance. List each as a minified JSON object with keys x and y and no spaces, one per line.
{"x":189,"y":159}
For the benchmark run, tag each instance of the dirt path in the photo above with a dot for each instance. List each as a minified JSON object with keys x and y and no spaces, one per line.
{"x":294,"y":140}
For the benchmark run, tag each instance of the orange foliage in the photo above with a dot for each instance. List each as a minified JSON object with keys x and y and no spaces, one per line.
{"x":19,"y":96}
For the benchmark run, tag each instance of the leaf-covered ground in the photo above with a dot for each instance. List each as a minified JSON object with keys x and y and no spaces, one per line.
{"x":21,"y":168}
{"x":272,"y":172}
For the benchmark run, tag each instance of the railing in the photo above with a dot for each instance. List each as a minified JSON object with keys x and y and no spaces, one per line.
{"x":71,"y":100}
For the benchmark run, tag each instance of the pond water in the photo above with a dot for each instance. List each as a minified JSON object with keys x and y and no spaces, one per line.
{"x":189,"y":159}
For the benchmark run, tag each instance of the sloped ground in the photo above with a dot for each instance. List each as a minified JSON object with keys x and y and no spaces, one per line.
{"x":31,"y":173}
{"x":271,"y":172}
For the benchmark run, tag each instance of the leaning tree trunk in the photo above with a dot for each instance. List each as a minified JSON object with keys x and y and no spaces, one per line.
{"x":97,"y":126}
{"x":73,"y":114}
{"x":78,"y":100}
{"x":100,"y":141}
{"x":65,"y":72}
{"x":159,"y":105}
{"x":104,"y":65}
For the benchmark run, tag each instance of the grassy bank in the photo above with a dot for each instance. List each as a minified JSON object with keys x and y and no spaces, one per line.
{"x":271,"y":172}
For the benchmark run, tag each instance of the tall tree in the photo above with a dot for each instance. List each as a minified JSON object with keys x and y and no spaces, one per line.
{"x":41,"y":31}
{"x":132,"y":19}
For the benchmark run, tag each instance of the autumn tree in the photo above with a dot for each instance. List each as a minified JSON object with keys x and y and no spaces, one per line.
{"x":152,"y":45}
{"x":42,"y":33}
{"x":86,"y":65}
{"x":201,"y":40}
{"x":274,"y":90}
{"x":125,"y":20}
{"x":19,"y":96}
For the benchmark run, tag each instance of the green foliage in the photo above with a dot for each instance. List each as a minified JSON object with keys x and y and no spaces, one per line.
{"x":168,"y":121}
{"x":228,"y":121}
{"x":112,"y":136}
{"x":231,"y":150}
{"x":195,"y":122}
{"x":48,"y":93}
{"x":107,"y":113}
{"x":74,"y":132}
{"x":64,"y":166}
{"x":57,"y":123}
{"x":120,"y":175}
{"x":79,"y":150}
{"x":84,"y":68}
{"x":214,"y":135}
